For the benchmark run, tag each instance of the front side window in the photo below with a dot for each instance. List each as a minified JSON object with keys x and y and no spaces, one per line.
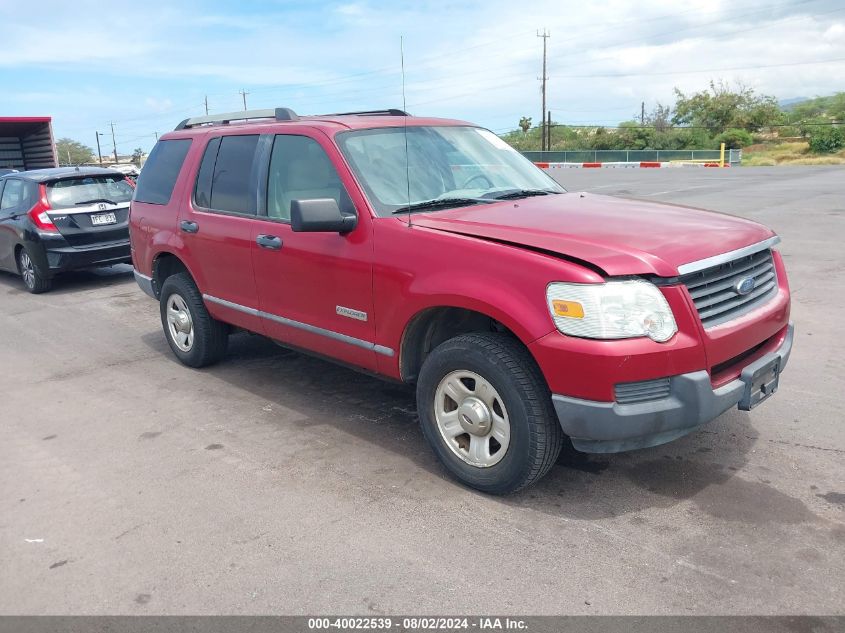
{"x":63,"y":194}
{"x":13,"y":194}
{"x":301,"y":170}
{"x":420,"y":165}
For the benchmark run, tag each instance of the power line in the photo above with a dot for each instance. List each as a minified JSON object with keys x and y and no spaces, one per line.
{"x":592,"y":33}
{"x":427,"y":61}
{"x":704,"y":70}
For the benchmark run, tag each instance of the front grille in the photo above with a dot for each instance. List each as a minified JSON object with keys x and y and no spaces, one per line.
{"x":712,"y":290}
{"x":642,"y":391}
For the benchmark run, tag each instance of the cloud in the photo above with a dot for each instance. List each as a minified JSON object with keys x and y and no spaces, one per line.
{"x":477,"y":60}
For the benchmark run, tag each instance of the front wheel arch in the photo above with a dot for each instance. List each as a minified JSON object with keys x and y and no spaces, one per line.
{"x":434,"y":325}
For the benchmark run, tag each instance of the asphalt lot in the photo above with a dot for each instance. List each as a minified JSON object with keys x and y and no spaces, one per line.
{"x":278,"y":483}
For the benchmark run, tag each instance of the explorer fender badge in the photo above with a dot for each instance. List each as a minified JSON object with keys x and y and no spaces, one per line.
{"x":352,"y":314}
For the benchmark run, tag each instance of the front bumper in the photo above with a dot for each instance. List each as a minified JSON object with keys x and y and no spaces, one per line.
{"x":610,"y":427}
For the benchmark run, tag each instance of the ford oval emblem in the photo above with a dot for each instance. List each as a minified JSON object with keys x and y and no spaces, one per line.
{"x":745,"y":285}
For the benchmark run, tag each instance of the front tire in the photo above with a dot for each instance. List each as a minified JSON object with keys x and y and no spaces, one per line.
{"x":196,"y":338}
{"x":34,"y":281}
{"x":487,"y":412}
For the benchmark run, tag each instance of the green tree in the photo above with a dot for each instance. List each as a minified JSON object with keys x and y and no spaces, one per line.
{"x":660,"y":117}
{"x":137,"y":155}
{"x":734,"y":138}
{"x":72,"y":152}
{"x":827,"y":139}
{"x":721,"y":108}
{"x":525,"y":124}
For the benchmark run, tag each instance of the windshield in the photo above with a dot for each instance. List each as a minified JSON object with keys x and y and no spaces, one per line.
{"x":446,"y":166}
{"x":87,"y":190}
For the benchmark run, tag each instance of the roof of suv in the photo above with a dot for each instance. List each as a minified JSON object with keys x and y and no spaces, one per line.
{"x":260,"y":119}
{"x":56,"y":173}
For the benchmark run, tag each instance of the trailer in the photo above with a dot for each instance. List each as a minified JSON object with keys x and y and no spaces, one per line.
{"x":27,"y":143}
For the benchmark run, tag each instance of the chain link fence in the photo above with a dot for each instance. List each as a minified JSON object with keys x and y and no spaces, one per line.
{"x":733,"y":156}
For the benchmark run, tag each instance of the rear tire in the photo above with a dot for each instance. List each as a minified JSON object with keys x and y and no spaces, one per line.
{"x":34,"y":281}
{"x":503,"y":405}
{"x":196,"y":338}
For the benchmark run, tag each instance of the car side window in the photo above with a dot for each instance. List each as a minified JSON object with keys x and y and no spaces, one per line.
{"x":158,"y":178}
{"x":231,"y":181}
{"x":301,"y":170}
{"x":202,"y":190}
{"x":13,"y":194}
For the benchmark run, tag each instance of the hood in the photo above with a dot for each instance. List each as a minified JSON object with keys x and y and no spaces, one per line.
{"x":619,"y":236}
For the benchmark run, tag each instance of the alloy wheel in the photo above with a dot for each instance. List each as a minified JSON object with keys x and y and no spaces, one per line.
{"x":180,"y":325}
{"x":472,"y":418}
{"x":27,"y":270}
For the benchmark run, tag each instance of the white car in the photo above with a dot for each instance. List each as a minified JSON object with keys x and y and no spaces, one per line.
{"x":129,"y":170}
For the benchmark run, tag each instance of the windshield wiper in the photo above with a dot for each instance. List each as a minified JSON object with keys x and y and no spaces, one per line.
{"x":95,"y":200}
{"x":523,"y":193}
{"x":441,"y":203}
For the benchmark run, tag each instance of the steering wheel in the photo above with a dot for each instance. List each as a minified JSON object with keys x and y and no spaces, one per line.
{"x":476,"y":177}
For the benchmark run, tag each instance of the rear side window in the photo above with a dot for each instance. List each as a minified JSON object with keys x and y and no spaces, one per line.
{"x":157,"y":179}
{"x":231,"y":187}
{"x":202,"y":192}
{"x":13,"y":194}
{"x":71,"y":192}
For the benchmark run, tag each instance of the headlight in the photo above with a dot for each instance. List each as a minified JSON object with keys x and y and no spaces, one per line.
{"x":612,"y":310}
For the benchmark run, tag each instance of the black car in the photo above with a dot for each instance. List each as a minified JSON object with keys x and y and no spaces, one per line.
{"x":55,"y":220}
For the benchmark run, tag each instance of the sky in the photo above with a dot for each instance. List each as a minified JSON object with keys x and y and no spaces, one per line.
{"x":145,"y":66}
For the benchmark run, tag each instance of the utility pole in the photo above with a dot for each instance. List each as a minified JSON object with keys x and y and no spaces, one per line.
{"x":243,"y":93}
{"x":113,"y":142}
{"x":549,"y":133}
{"x":99,"y":153}
{"x":206,"y":105}
{"x":642,"y":113}
{"x":545,"y":35}
{"x":156,"y":133}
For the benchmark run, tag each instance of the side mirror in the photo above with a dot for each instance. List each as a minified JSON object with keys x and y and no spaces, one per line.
{"x":320,"y":215}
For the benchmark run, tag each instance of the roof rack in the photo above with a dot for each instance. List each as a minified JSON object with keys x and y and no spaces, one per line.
{"x":387,"y":112}
{"x":279,"y":114}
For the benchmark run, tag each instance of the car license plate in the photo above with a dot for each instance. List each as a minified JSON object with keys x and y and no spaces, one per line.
{"x":99,"y":219}
{"x":760,"y":384}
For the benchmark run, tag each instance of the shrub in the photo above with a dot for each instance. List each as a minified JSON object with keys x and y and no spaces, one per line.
{"x":826,"y":139}
{"x":734,"y":138}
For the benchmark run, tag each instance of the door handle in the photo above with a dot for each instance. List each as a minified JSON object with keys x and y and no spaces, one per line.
{"x":189,"y":227}
{"x":271,"y":242}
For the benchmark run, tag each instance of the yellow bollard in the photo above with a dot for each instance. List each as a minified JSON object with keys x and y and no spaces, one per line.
{"x":722,"y":155}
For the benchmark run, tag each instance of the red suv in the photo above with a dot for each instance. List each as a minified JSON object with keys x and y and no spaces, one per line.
{"x":429,"y":251}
